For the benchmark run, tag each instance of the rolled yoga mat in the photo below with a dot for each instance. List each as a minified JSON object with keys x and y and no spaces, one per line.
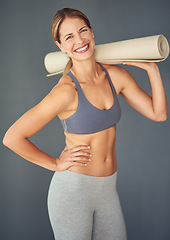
{"x":145,"y":49}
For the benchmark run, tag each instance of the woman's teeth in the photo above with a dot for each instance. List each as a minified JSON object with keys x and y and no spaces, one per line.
{"x":82,"y":49}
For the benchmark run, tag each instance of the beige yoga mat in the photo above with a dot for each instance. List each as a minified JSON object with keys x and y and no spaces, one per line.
{"x":145,"y":49}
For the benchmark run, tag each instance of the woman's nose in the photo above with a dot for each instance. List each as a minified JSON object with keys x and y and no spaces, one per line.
{"x":79,"y":39}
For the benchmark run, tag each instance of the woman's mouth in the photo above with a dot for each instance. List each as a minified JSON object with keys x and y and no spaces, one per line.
{"x":82,"y":49}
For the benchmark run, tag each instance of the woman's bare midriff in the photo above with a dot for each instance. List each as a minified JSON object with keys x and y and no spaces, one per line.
{"x":102,"y":148}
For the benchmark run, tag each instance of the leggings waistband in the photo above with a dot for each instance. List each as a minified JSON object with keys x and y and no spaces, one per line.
{"x":90,"y":176}
{"x":74,"y":177}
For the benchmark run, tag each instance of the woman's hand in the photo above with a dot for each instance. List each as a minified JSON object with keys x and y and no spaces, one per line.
{"x":76,"y":156}
{"x":148,"y":66}
{"x":155,"y":107}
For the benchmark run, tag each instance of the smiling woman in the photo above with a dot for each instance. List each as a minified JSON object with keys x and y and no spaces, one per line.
{"x":78,"y":41}
{"x":64,"y":33}
{"x":83,"y":202}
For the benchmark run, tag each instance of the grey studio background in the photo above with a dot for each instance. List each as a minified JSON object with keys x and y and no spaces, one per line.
{"x":142,"y":145}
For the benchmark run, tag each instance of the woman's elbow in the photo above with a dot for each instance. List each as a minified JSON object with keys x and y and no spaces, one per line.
{"x":161,"y":118}
{"x":9,"y":139}
{"x":6,"y":140}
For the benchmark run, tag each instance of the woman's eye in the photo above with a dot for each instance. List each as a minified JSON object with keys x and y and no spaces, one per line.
{"x":84,"y":30}
{"x":68,"y":37}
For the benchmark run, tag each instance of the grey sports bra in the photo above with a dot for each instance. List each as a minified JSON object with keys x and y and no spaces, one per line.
{"x":89,"y":119}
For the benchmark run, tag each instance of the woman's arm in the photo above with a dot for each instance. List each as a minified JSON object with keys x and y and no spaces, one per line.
{"x":155,"y":107}
{"x":16,"y":138}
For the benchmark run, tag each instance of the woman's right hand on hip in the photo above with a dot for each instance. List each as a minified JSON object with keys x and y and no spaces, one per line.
{"x":76,"y":156}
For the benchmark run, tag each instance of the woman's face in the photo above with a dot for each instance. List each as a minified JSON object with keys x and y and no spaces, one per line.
{"x":76,"y":39}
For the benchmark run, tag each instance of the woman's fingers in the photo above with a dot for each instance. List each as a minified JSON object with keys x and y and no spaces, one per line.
{"x":144,"y":65}
{"x":81,"y":158}
{"x":76,"y":156}
{"x":78,"y":164}
{"x":78,"y":153}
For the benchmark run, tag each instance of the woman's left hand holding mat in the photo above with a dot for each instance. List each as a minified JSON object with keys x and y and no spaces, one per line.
{"x":154,"y":107}
{"x":148,"y":66}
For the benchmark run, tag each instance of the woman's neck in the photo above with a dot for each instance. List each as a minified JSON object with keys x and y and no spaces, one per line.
{"x":85,"y":70}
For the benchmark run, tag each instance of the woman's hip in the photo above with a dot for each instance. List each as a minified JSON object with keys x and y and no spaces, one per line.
{"x":78,"y":186}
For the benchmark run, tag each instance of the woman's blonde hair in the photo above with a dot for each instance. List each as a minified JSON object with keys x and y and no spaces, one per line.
{"x":58,"y":19}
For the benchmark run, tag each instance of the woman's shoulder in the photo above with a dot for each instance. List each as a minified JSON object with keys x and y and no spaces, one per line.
{"x":113,"y":68}
{"x":64,"y":84}
{"x":64,"y":89}
{"x":118,"y":75}
{"x":117,"y":71}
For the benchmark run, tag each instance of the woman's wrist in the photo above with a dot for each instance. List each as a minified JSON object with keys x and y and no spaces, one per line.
{"x":152,"y":68}
{"x":54,"y":165}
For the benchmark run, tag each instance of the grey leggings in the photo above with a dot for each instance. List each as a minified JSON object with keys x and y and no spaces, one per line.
{"x":83,"y":207}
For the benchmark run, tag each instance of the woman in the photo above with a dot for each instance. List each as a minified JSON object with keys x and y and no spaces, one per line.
{"x":82,"y":201}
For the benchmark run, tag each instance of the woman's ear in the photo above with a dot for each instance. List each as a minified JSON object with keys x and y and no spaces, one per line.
{"x":59,"y":45}
{"x":92,"y":32}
